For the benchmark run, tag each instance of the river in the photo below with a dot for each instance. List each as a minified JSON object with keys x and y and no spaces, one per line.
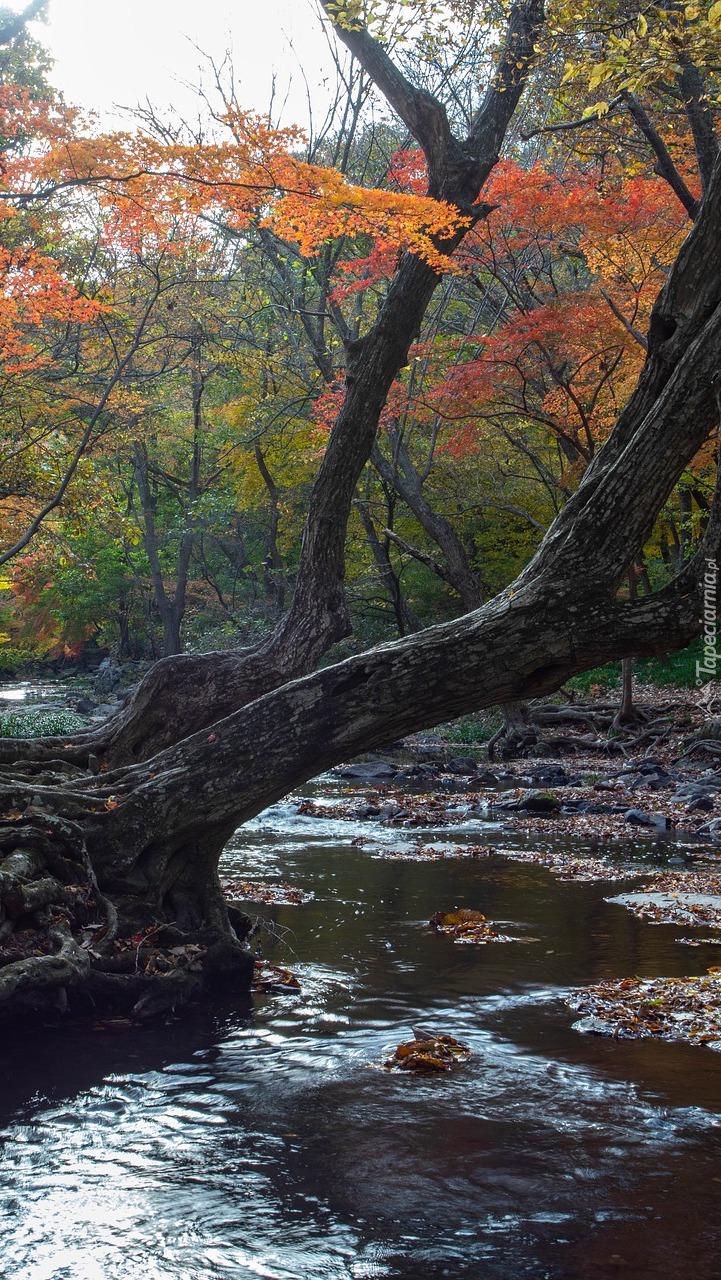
{"x":265,"y":1141}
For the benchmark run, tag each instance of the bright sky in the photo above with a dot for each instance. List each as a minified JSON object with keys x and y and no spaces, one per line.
{"x":120,"y":52}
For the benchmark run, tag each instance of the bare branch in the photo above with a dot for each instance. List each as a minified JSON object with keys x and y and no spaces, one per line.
{"x":636,"y":334}
{"x":422,"y":114}
{"x":583,"y":122}
{"x":664,"y":167}
{"x":421,"y":556}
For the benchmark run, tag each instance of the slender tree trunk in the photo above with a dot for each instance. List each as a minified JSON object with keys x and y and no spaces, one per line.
{"x":275,"y":576}
{"x":403,"y":476}
{"x":406,"y":620}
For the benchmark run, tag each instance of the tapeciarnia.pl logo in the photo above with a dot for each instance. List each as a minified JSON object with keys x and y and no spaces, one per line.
{"x":706,"y":670}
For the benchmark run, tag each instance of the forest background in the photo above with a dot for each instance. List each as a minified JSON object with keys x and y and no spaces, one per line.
{"x":173,"y":340}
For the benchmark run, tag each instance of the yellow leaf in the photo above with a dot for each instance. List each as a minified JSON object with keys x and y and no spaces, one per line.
{"x":597,"y":76}
{"x":641,"y":25}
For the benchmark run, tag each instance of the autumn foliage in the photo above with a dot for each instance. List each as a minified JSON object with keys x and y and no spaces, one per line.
{"x":147,"y":277}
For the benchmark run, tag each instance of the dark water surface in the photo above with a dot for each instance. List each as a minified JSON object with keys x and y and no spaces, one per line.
{"x":265,"y":1142}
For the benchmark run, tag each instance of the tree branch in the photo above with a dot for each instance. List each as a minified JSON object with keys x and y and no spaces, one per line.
{"x":504,"y":92}
{"x":17,"y":22}
{"x":664,"y":167}
{"x":422,"y":114}
{"x":439,"y":569}
{"x":567,"y":126}
{"x":636,"y":334}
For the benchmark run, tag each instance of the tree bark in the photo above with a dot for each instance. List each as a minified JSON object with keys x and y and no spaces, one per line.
{"x":183,"y":694}
{"x":98,"y":855}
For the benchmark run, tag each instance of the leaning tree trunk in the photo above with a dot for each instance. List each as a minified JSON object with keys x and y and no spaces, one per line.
{"x":183,"y":694}
{"x":90,"y":859}
{"x":108,"y":884}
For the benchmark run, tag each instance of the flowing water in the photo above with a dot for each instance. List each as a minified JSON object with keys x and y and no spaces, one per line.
{"x":265,"y":1141}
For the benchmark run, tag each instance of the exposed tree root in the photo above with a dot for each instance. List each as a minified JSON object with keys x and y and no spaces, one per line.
{"x":62,"y":937}
{"x":553,"y":729}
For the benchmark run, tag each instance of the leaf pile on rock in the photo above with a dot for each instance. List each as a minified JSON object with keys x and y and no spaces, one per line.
{"x":676,"y":1009}
{"x":464,"y":925}
{"x":426,"y":1056}
{"x":676,"y":910}
{"x":704,"y":881}
{"x":419,"y":852}
{"x":678,"y":897}
{"x":271,"y":977}
{"x":567,"y":867}
{"x":281,"y":894}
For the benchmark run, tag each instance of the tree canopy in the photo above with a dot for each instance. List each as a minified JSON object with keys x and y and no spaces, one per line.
{"x":248,"y":375}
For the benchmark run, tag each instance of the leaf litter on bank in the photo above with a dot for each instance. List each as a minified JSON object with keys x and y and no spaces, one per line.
{"x":686,"y":1010}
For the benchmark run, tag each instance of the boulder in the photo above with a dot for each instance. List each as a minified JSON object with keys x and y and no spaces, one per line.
{"x":552,"y":776}
{"x":539,"y":802}
{"x":369,"y":769}
{"x":702,"y":801}
{"x":83,"y":706}
{"x":461,"y":764}
{"x":637,"y":818}
{"x":108,"y":677}
{"x":712,"y":829}
{"x":486,"y":778}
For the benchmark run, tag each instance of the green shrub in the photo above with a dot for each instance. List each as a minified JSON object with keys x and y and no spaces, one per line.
{"x":672,"y":669}
{"x":39,"y":724}
{"x":479,"y":726}
{"x":15,"y":659}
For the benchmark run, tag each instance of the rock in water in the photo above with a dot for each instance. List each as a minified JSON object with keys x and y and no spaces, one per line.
{"x":369,"y":769}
